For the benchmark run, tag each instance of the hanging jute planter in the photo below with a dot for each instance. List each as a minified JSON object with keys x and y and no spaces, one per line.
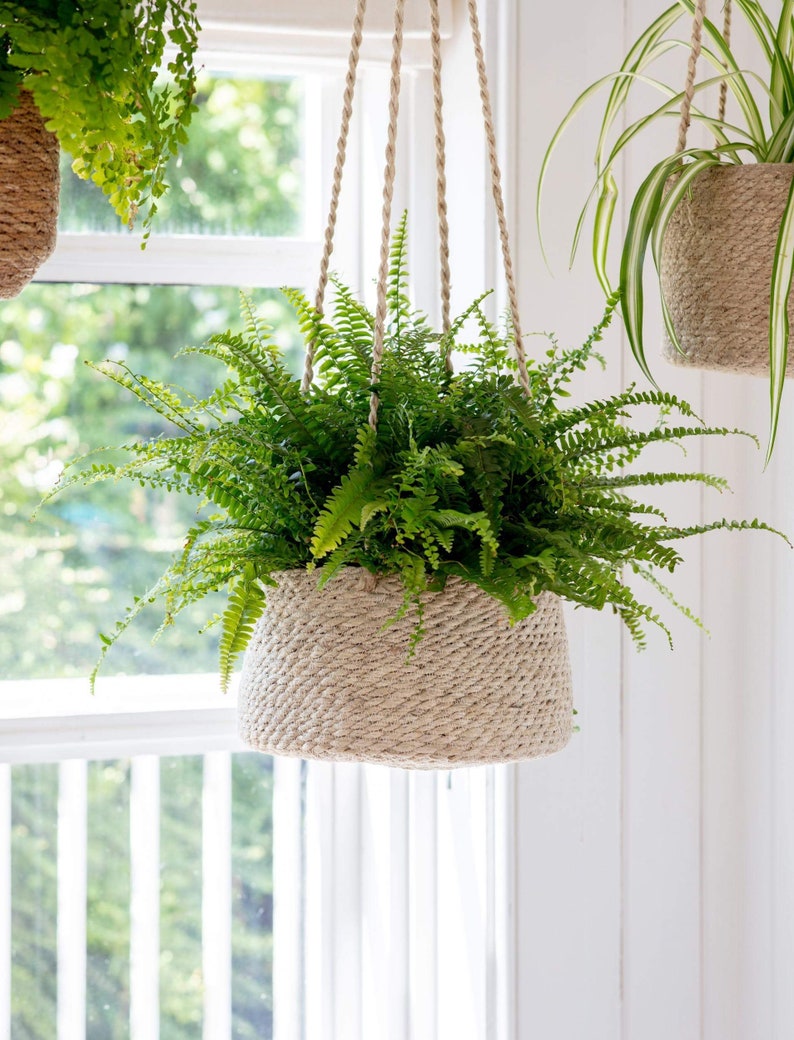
{"x":716,"y":269}
{"x":329,"y":672}
{"x":718,"y":249}
{"x":29,"y":185}
{"x":323,"y":678}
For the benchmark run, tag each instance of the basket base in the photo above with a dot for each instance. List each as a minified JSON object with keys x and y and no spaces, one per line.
{"x":324,"y":679}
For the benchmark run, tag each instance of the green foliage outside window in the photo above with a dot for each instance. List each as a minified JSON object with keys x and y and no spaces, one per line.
{"x":64,"y":572}
{"x":34,"y":894}
{"x":240,"y":173}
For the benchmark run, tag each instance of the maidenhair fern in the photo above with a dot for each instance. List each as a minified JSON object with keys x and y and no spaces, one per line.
{"x":466,"y":476}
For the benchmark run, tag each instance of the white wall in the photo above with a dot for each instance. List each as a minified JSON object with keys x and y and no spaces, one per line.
{"x":655,"y":855}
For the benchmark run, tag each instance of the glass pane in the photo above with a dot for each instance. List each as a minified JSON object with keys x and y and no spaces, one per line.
{"x":73,"y":573}
{"x":182,"y":985}
{"x":108,"y":903}
{"x":181,"y":980}
{"x":240,"y":173}
{"x":252,"y":897}
{"x":34,"y":900}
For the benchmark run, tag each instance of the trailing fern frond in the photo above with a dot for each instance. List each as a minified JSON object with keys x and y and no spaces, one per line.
{"x":243,"y":610}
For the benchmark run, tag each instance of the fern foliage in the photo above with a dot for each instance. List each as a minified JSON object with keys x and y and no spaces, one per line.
{"x":465,"y":477}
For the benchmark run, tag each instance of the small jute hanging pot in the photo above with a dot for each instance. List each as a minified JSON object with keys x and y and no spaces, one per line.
{"x":29,"y":186}
{"x":716,"y":267}
{"x":323,"y":678}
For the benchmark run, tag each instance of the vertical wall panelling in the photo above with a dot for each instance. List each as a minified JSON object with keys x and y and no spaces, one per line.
{"x":781,"y":902}
{"x":662,"y":712}
{"x":737,"y":752}
{"x":671,"y":811}
{"x":568,"y":866}
{"x":423,"y":937}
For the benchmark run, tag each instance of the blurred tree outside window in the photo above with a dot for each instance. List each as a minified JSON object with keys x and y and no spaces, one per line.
{"x":73,"y":572}
{"x":241,"y":172}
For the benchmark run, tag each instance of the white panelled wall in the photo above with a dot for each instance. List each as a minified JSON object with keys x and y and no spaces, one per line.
{"x":650,"y":864}
{"x":655,"y":859}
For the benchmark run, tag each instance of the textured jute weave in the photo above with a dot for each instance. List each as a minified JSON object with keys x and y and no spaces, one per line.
{"x":323,"y":679}
{"x":716,"y":267}
{"x":29,"y":185}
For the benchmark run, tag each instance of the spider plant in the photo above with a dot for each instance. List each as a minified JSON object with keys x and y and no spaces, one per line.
{"x":762,"y":133}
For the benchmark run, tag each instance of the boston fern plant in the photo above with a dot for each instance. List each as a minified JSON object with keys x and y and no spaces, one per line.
{"x":465,"y":477}
{"x":92,"y":67}
{"x":763,"y":133}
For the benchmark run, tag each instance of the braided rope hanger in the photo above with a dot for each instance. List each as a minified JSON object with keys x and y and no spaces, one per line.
{"x":336,"y":187}
{"x":388,"y":190}
{"x":695,"y":49}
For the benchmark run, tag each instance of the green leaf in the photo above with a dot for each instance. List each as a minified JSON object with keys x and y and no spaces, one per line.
{"x":244,"y":608}
{"x":342,"y":510}
{"x":782,"y":272}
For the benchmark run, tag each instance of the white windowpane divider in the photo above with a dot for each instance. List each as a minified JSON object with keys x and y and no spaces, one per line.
{"x":288,"y":902}
{"x":182,"y":260}
{"x":409,"y":902}
{"x":145,"y":898}
{"x":423,"y":905}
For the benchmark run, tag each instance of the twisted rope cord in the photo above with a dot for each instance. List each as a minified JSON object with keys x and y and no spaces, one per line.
{"x":336,"y":188}
{"x":496,"y":184}
{"x":726,"y":35}
{"x":441,"y":175}
{"x":695,"y":47}
{"x":388,"y":195}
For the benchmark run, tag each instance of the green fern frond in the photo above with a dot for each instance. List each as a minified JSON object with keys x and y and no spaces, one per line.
{"x":342,"y":510}
{"x":674,"y":533}
{"x":397,"y":297}
{"x":656,"y":480}
{"x":650,"y":577}
{"x":244,"y":608}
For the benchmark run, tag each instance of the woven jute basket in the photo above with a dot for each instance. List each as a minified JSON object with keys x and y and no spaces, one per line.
{"x":29,"y":186}
{"x":324,"y":679}
{"x":716,"y":267}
